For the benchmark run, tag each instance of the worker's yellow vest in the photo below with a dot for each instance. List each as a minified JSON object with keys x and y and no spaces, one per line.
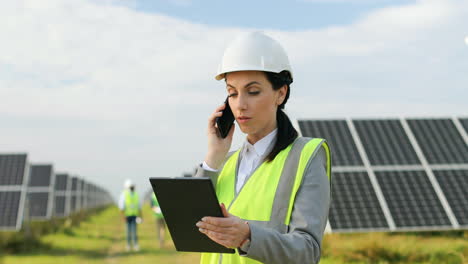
{"x":255,"y":201}
{"x":131,"y":204}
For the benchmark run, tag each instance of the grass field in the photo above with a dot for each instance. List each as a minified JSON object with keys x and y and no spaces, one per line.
{"x":100,"y":239}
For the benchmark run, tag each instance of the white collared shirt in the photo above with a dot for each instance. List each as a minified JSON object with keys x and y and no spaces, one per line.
{"x":251,"y":157}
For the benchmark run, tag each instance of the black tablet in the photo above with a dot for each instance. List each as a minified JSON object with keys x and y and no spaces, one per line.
{"x":184,"y":201}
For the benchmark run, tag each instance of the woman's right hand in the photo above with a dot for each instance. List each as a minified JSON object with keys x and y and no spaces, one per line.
{"x":218,"y":147}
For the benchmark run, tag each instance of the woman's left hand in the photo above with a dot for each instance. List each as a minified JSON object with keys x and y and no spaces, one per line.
{"x":229,"y":231}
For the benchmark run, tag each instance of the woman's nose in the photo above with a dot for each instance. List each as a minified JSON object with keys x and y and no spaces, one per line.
{"x":242,"y":102}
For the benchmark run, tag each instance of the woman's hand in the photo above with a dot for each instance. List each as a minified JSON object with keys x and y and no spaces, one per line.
{"x":218,"y":147}
{"x":229,"y":231}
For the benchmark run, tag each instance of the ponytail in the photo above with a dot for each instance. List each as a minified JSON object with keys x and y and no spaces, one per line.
{"x":286,"y":132}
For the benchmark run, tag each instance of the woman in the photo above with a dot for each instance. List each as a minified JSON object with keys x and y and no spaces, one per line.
{"x":275,"y":190}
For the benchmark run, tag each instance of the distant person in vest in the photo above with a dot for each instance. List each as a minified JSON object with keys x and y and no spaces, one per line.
{"x":275,"y":190}
{"x":130,"y":206}
{"x":160,"y":223}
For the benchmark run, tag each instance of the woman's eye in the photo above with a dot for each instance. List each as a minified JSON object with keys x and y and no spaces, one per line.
{"x":254,"y":92}
{"x":232,"y":94}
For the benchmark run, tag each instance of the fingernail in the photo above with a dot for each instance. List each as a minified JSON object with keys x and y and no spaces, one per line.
{"x":203,"y":219}
{"x":201,"y":230}
{"x":198,"y":224}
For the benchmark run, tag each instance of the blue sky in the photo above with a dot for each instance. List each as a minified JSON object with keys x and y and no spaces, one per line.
{"x":115,"y":89}
{"x":279,"y":15}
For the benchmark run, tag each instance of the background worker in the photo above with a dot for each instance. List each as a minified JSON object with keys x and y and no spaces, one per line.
{"x":160,"y":222}
{"x":274,"y":190}
{"x":130,"y":207}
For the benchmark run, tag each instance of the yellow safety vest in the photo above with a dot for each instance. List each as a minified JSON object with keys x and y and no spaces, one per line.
{"x":256,"y":200}
{"x":131,"y":204}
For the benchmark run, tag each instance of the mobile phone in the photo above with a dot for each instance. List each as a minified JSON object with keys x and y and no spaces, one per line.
{"x":225,"y":121}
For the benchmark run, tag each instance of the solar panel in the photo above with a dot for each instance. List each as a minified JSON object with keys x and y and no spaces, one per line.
{"x":73,"y":203}
{"x":12,"y":169}
{"x":13,"y":184}
{"x":40,"y":175}
{"x":338,"y":135}
{"x":38,"y":203}
{"x":84,"y":195}
{"x":454,"y":184}
{"x":9,"y":208}
{"x":464,"y":122}
{"x":386,"y":142}
{"x":79,"y":195}
{"x":439,"y":140}
{"x":354,"y":203}
{"x":73,"y":194}
{"x":40,"y":191}
{"x":74,"y":185}
{"x":61,"y":181}
{"x":59,"y":205}
{"x":62,"y":194}
{"x":411,"y":199}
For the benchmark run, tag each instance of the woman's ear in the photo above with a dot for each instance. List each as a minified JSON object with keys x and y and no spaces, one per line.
{"x":282,"y":94}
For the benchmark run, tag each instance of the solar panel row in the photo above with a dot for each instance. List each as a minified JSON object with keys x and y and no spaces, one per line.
{"x":34,"y":192}
{"x":409,"y":198}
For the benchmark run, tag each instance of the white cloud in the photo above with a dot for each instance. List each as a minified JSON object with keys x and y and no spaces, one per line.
{"x":109,"y":93}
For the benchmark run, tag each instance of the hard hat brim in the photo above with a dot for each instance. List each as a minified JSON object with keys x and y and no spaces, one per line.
{"x":222,"y":75}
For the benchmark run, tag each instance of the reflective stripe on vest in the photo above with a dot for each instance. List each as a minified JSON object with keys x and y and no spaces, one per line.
{"x":131,"y":203}
{"x":267,"y":198}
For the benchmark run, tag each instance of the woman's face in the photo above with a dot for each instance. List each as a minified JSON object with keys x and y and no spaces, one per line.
{"x":253,"y":102}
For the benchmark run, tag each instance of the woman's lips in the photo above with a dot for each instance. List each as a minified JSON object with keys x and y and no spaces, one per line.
{"x":243,"y":119}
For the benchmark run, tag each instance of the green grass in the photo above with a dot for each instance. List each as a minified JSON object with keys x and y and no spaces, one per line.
{"x":445,"y":247}
{"x":100,"y":238}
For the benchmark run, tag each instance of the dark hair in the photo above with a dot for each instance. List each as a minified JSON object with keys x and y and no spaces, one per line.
{"x":286,"y":132}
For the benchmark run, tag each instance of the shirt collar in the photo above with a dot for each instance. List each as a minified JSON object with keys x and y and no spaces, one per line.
{"x":261,"y":146}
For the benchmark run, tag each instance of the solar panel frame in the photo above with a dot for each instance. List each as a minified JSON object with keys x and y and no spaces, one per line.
{"x":18,"y":184}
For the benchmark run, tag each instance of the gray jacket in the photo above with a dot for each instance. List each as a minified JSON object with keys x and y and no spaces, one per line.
{"x":302,"y":242}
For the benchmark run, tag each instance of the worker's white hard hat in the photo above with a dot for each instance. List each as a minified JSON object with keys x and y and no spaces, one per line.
{"x":254,"y":51}
{"x":128,"y":183}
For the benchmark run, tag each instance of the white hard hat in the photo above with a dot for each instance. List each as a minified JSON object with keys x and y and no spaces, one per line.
{"x":254,"y":51}
{"x":128,"y":183}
